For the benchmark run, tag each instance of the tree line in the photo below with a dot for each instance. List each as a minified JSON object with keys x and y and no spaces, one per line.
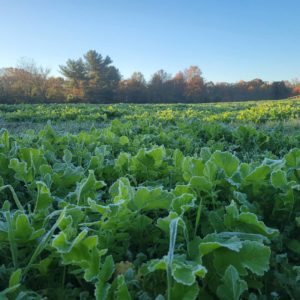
{"x":94,"y":79}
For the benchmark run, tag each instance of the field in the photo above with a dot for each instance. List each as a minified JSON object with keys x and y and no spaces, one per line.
{"x":183,"y":201}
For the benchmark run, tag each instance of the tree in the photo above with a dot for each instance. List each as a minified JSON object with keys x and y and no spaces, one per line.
{"x":56,"y":91}
{"x":295,"y":87}
{"x":177,"y":87}
{"x":75,"y":72}
{"x":195,"y":87}
{"x":158,"y":87}
{"x":35,"y":76}
{"x":279,"y":90}
{"x":133,"y":89}
{"x":92,"y":78}
{"x":25,"y":83}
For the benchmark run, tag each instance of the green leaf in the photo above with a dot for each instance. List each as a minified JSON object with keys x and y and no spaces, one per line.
{"x":200,"y":184}
{"x":293,"y":158}
{"x":23,"y":173}
{"x":178,"y":158}
{"x":205,"y":154}
{"x":259,"y":174}
{"x":246,"y":222}
{"x":151,"y":199}
{"x":185,"y":272}
{"x":294,"y":246}
{"x":244,"y":170}
{"x":23,"y":228}
{"x":61,"y":243}
{"x":122,"y":292}
{"x":66,"y":176}
{"x":250,"y":221}
{"x":183,"y":203}
{"x":213,"y":241}
{"x":182,"y":189}
{"x":4,"y":139}
{"x":241,"y":199}
{"x":164,"y":223}
{"x":102,"y":290}
{"x":31,"y":156}
{"x":210,"y":171}
{"x":121,"y":163}
{"x":15,"y":278}
{"x":157,"y":154}
{"x":88,"y":187}
{"x":121,"y":190}
{"x":43,"y":266}
{"x":102,"y":209}
{"x":67,"y":158}
{"x":124,"y":140}
{"x":4,"y":163}
{"x":107,"y":269}
{"x":253,"y":256}
{"x":44,"y":199}
{"x":192,"y":167}
{"x":233,"y":287}
{"x":10,"y":291}
{"x":82,"y":251}
{"x":184,"y":292}
{"x":157,"y":264}
{"x":232,"y":213}
{"x":278,"y":179}
{"x":145,"y":161}
{"x":226,"y":161}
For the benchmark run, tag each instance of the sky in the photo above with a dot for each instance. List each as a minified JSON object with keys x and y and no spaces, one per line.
{"x":229,"y":40}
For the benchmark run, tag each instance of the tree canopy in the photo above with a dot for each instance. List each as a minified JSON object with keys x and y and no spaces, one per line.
{"x":93,"y":78}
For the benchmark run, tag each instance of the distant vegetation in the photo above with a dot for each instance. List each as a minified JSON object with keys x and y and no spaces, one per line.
{"x":94,"y":79}
{"x":230,"y":113}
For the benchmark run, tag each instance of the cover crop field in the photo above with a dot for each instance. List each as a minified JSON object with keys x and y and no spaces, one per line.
{"x":174,"y":202}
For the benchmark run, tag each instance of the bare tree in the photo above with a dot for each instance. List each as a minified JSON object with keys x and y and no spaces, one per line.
{"x":34,"y":76}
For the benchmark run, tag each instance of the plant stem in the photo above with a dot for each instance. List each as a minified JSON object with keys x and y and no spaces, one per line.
{"x":15,"y":197}
{"x":173,"y":233}
{"x":11,"y":238}
{"x":43,"y":243}
{"x":198,"y":216}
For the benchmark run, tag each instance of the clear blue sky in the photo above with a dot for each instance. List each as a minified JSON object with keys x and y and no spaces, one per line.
{"x":228,"y":39}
